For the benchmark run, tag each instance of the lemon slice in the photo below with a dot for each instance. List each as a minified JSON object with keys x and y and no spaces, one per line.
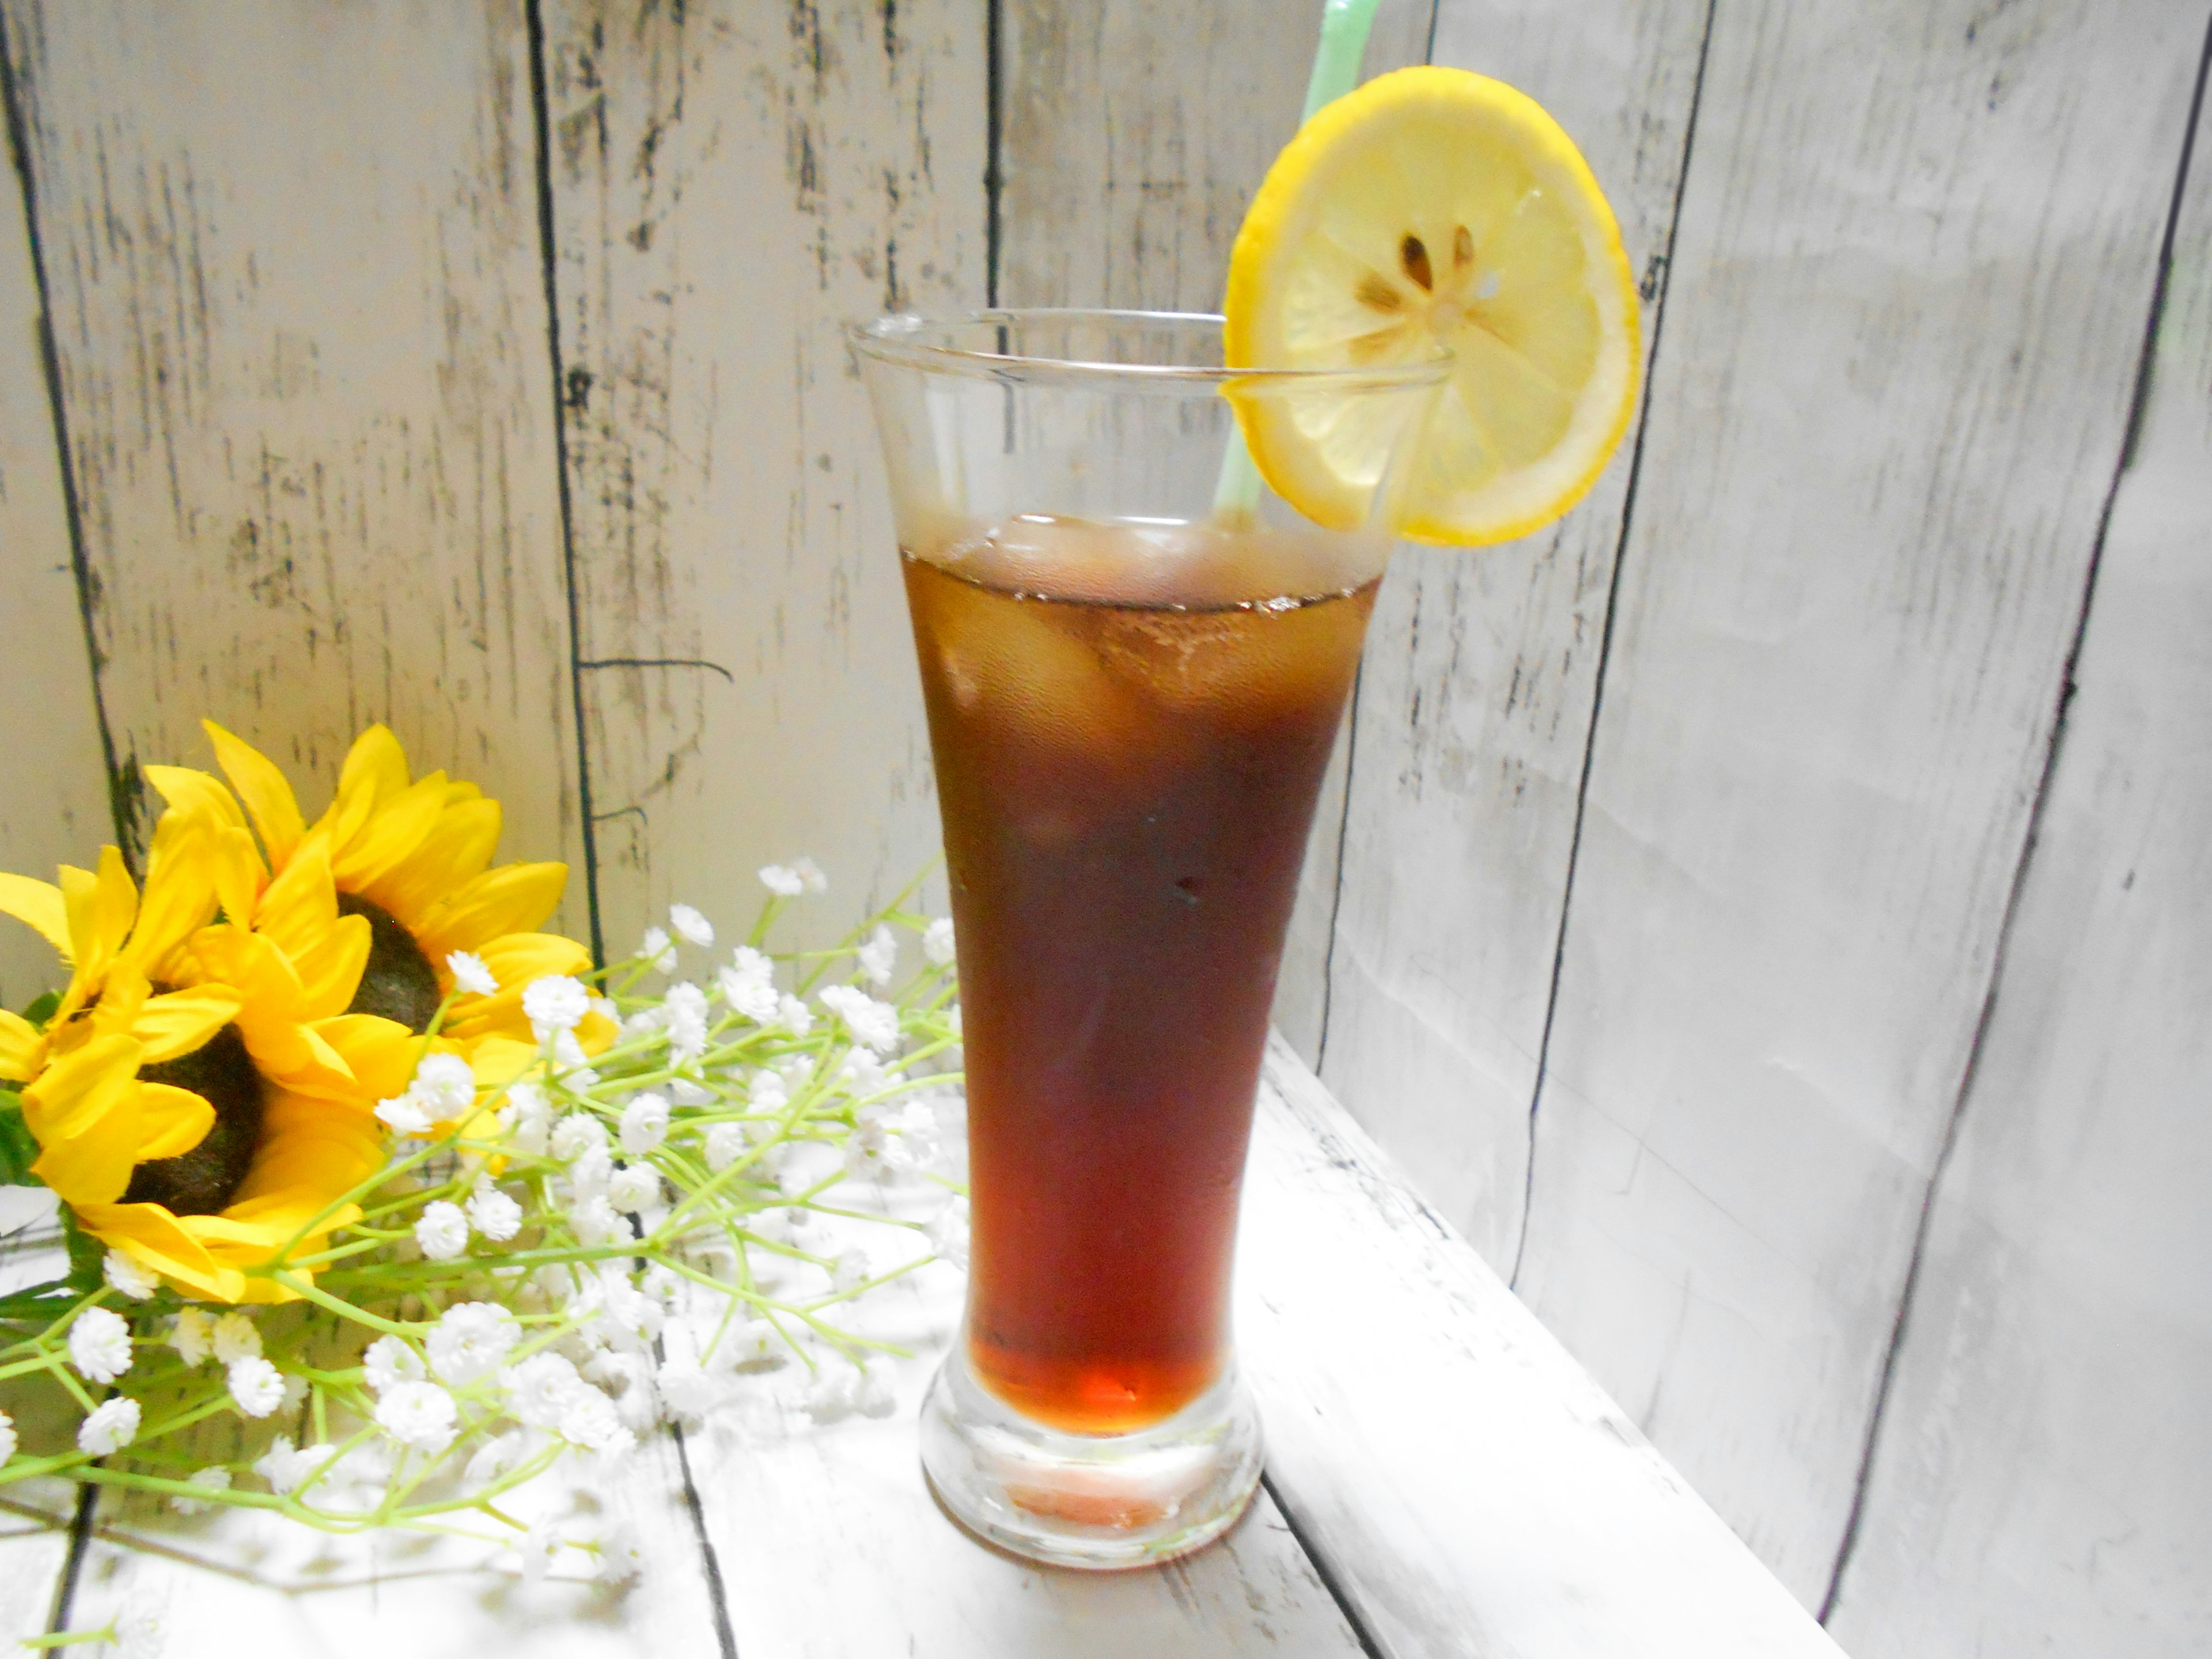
{"x":1429,"y":209}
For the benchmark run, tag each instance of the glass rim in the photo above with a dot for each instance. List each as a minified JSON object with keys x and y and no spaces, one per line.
{"x":899,"y":338}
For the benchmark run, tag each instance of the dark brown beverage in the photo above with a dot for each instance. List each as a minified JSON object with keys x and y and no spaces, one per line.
{"x":1128,"y":747}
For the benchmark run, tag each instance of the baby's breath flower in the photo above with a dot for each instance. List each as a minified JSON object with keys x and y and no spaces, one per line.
{"x":256,"y":1385}
{"x":444,"y":1087}
{"x":593,"y":1168}
{"x":494,"y":1214}
{"x":810,"y":875}
{"x":781,"y":880}
{"x":726,"y":1145}
{"x":937,"y":942}
{"x":554,"y":1003}
{"x":442,"y":1231}
{"x":834,"y":1392}
{"x":404,"y":1114}
{"x":498,"y":1457}
{"x":879,"y":956}
{"x":7,"y":1436}
{"x":849,"y":1271}
{"x":141,"y":1618}
{"x":622,"y":1557}
{"x":685,"y":1388}
{"x":214,"y":1478}
{"x":877,"y":1394}
{"x":387,"y":1361}
{"x":418,"y":1415}
{"x":748,"y":985}
{"x":656,"y":949}
{"x":947,"y":1233}
{"x":644,"y":1124}
{"x":794,"y":1017}
{"x":691,"y":925}
{"x":636,"y":1187}
{"x":471,"y":973}
{"x":542,"y":1388}
{"x":685,"y":1006}
{"x":192,"y":1333}
{"x":235,"y":1338}
{"x":528,"y":1116}
{"x":110,"y":1427}
{"x":589,"y":1419}
{"x":596,"y":1222}
{"x":99,"y":1345}
{"x":124,"y":1273}
{"x":872,"y":1023}
{"x":576,"y":1132}
{"x":284,"y":1466}
{"x":470,"y":1341}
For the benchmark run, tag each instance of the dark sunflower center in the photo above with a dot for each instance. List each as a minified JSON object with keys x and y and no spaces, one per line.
{"x":202,"y":1181}
{"x":399,"y":983}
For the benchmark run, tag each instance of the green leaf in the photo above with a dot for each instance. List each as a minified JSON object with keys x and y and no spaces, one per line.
{"x":42,"y":1008}
{"x":18,"y":1150}
{"x":86,"y":1253}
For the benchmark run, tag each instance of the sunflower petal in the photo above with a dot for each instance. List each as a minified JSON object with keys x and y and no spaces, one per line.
{"x":120,"y":999}
{"x":301,"y":903}
{"x":180,"y":1020}
{"x":375,"y":770}
{"x":195,"y":792}
{"x":516,"y":961}
{"x":269,"y":799}
{"x":151,"y":1236}
{"x":22,"y":1048}
{"x":40,"y":905}
{"x":180,"y":892}
{"x":330,"y":969}
{"x":457,"y":849}
{"x":240,"y":875}
{"x":379,"y":1054}
{"x":397,"y":830}
{"x":170,"y":1121}
{"x":511,"y":899}
{"x":84,"y":1112}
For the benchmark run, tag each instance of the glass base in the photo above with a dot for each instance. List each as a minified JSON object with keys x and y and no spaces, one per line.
{"x":1099,"y":1501}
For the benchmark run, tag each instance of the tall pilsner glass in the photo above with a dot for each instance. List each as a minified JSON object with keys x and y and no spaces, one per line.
{"x":1135,"y":658}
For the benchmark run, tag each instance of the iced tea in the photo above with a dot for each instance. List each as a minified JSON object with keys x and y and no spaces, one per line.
{"x":1130,"y":724}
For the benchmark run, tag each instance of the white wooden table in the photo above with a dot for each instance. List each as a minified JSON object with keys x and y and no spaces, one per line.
{"x":1443,"y":1479}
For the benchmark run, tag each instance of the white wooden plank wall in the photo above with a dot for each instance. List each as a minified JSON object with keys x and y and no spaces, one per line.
{"x":1904,"y":321}
{"x":292,"y":252}
{"x":732,"y":182}
{"x":1474,"y":702}
{"x":2040,"y":1479}
{"x":53,"y":790}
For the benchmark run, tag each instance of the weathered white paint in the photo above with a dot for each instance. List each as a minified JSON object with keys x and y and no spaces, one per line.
{"x":732,"y":183}
{"x":2043,"y":1463}
{"x":1472,"y":1491}
{"x":237,"y":1581}
{"x":829,"y":1544}
{"x":293,"y":262}
{"x":53,"y":783}
{"x":1474,"y":702}
{"x":1901,"y":333}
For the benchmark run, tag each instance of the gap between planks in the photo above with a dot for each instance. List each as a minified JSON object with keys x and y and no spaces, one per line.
{"x":1908,"y":1292}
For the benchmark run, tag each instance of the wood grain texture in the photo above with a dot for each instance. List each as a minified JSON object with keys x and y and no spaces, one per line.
{"x":2039,"y":1483}
{"x":732,"y":182}
{"x":829,"y":1543}
{"x":1134,"y":136}
{"x":1474,"y":706}
{"x":1906,"y":311}
{"x":293,"y":254}
{"x":1472,"y":1491}
{"x":53,"y":780}
{"x":239,"y":1581}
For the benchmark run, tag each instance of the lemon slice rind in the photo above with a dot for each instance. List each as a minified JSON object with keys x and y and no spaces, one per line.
{"x":1479,"y":189}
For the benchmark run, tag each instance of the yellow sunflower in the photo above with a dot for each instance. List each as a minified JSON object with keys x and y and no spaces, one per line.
{"x":412,"y":858}
{"x":154,"y":1123}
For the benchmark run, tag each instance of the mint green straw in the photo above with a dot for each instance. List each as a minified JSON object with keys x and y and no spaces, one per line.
{"x":1344,"y":26}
